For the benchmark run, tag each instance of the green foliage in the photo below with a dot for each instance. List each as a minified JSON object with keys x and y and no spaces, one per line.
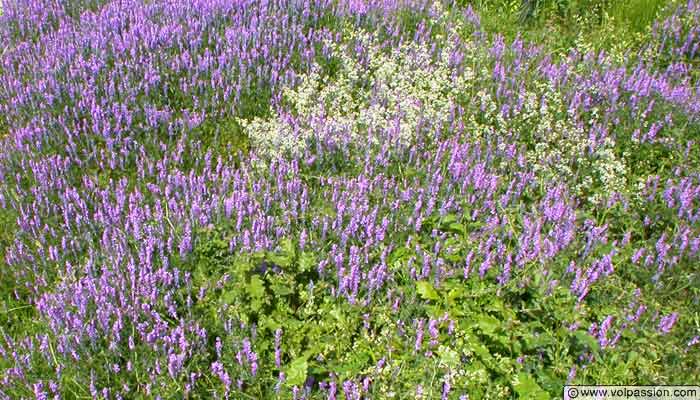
{"x":527,"y":388}
{"x":509,"y":340}
{"x":561,"y":25}
{"x":637,"y":15}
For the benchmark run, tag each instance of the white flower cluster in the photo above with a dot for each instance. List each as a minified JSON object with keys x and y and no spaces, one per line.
{"x":560,"y":145}
{"x":388,"y":98}
{"x":610,"y":171}
{"x":565,"y":152}
{"x":380,"y":96}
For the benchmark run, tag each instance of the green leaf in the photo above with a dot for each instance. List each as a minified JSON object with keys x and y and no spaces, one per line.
{"x":307,"y":262}
{"x":449,"y":219}
{"x":296,"y":372}
{"x":338,"y":315}
{"x":256,"y":305}
{"x":282,"y":260}
{"x":588,"y":340}
{"x":281,"y":288}
{"x":496,"y":305}
{"x":456,"y":227}
{"x":242,"y":265}
{"x":228,"y":297}
{"x":426,"y":290}
{"x":487,"y":323}
{"x":450,"y":223}
{"x":448,"y":357}
{"x":527,"y":388}
{"x":479,"y":349}
{"x":285,"y":256}
{"x":398,"y":255}
{"x":256,"y":289}
{"x":288,"y":247}
{"x":454,"y":294}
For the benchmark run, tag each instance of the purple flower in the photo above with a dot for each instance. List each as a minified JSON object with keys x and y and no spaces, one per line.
{"x":278,"y":350}
{"x":419,"y":334}
{"x":217,"y":368}
{"x":39,"y":392}
{"x":351,"y":390}
{"x":572,"y":374}
{"x":433,"y":331}
{"x":667,"y":322}
{"x":332,"y":390}
{"x":419,"y":391}
{"x":280,"y":382}
{"x":446,"y":388}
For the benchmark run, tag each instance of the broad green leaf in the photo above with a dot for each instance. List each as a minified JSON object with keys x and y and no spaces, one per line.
{"x":307,"y":262}
{"x":479,"y":349}
{"x":426,"y":290}
{"x":296,"y":372}
{"x":527,"y":388}
{"x":454,"y":294}
{"x":457,"y":227}
{"x":256,"y":304}
{"x":338,"y":315}
{"x":283,"y":260}
{"x":588,"y":340}
{"x":398,"y":255}
{"x":280,"y":289}
{"x":256,"y":289}
{"x":285,"y":256}
{"x":449,"y":219}
{"x":448,"y":357}
{"x":487,"y":323}
{"x":496,"y":305}
{"x":228,"y":297}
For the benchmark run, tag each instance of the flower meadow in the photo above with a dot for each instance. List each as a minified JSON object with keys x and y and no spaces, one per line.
{"x":341,"y":199}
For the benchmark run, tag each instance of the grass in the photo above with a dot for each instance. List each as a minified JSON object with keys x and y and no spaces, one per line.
{"x":563,"y":24}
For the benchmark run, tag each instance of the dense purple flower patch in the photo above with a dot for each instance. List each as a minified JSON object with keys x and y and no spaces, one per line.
{"x":558,"y":176}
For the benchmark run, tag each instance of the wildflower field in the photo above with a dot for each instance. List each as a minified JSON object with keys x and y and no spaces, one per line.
{"x":347,"y":199}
